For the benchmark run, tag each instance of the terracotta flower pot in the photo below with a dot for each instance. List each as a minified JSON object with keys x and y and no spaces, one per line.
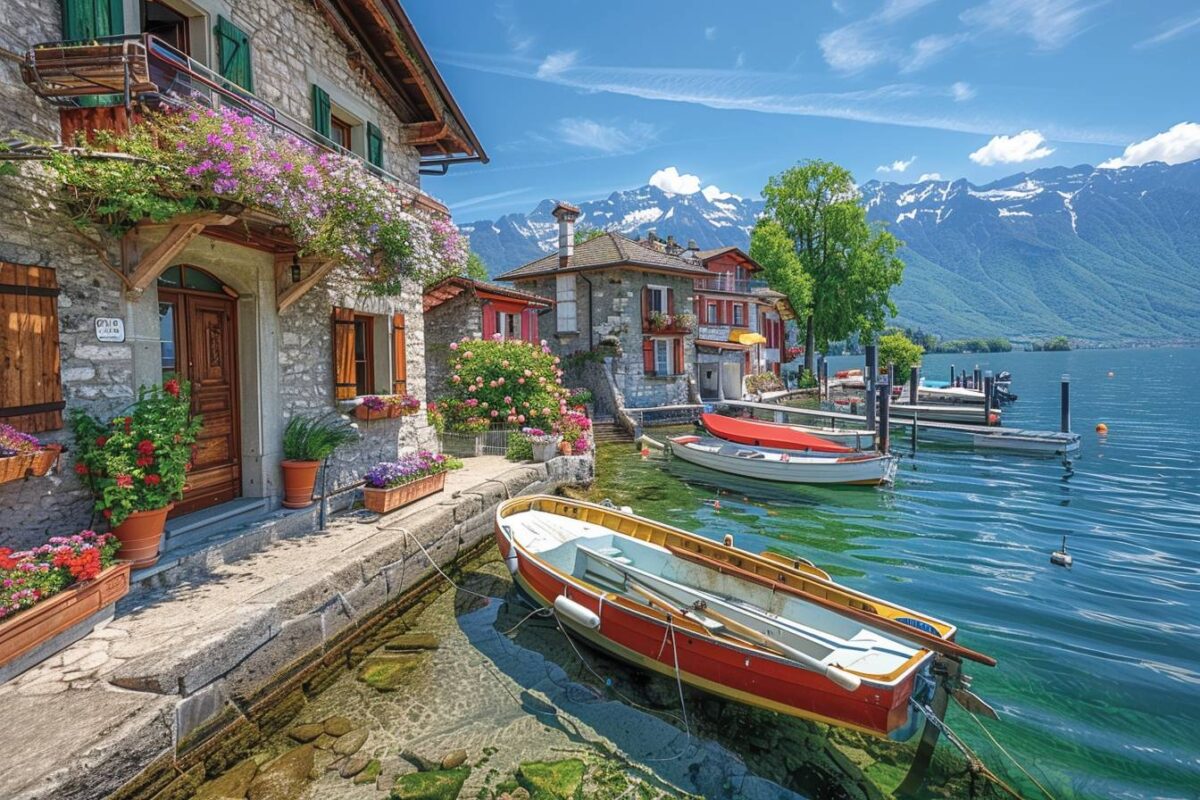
{"x":393,"y":410}
{"x":299,"y":478}
{"x":381,"y":501}
{"x":45,"y":458}
{"x":364,"y":413}
{"x":564,"y":448}
{"x":140,"y":534}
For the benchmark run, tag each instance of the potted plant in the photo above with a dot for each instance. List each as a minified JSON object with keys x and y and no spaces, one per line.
{"x":685,"y":321}
{"x":136,"y":465}
{"x":307,"y":441}
{"x":544,"y":444}
{"x":393,"y":484}
{"x":51,"y":588}
{"x":573,"y":427}
{"x":659,"y":321}
{"x":372,"y":407}
{"x":405,"y":405}
{"x":17,"y":453}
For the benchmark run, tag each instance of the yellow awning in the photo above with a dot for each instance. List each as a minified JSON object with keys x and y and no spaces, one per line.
{"x":746,"y":337}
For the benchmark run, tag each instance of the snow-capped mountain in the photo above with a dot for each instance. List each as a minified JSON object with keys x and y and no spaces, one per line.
{"x":713,"y":220}
{"x":1095,"y":254}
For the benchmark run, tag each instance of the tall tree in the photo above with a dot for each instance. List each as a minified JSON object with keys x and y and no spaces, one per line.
{"x":475,"y":269}
{"x":851,"y":265}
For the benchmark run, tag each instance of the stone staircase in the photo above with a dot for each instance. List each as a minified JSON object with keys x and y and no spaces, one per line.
{"x":606,"y":431}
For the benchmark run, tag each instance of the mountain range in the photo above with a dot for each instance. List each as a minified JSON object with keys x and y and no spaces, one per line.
{"x":1098,"y":255}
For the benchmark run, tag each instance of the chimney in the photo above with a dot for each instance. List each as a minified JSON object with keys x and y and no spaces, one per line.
{"x":566,"y":214}
{"x":673,"y":248}
{"x":692,"y":245}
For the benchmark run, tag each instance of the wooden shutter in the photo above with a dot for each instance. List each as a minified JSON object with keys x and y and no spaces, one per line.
{"x":648,"y":356}
{"x":645,"y":305}
{"x":30,"y":385}
{"x":322,"y":111}
{"x":374,"y":145}
{"x":399,"y":356}
{"x":233,"y":54}
{"x":489,"y":320}
{"x":670,"y":309}
{"x":344,"y":383}
{"x":529,"y":329}
{"x":91,"y":19}
{"x":679,"y":365}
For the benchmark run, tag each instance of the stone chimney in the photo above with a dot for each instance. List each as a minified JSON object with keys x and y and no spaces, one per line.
{"x":692,"y":245}
{"x":672,"y":248}
{"x":566,"y":214}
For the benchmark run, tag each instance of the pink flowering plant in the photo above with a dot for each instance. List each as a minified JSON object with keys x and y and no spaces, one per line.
{"x":574,"y":427}
{"x":333,"y":206}
{"x":29,"y":576}
{"x":502,"y":382}
{"x":407,"y":403}
{"x":16,"y":443}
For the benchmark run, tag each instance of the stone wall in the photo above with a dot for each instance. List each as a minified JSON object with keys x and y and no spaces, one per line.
{"x":448,"y":322}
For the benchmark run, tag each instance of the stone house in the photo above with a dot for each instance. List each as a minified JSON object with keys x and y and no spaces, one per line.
{"x":223,"y":299}
{"x":458,"y":307}
{"x":629,"y":297}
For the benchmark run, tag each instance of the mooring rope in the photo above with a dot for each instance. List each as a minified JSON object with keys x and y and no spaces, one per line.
{"x":449,"y":580}
{"x":1008,"y":755}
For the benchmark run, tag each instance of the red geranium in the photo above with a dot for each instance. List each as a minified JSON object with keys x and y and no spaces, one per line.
{"x":153,"y":480}
{"x":125,"y":481}
{"x":107,"y":513}
{"x":145,"y":461}
{"x":81,"y":468}
{"x":171,"y":387}
{"x":145,"y":447}
{"x":5,"y":561}
{"x":101,"y":441}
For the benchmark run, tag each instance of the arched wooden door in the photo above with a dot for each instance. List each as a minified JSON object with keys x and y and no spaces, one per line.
{"x":198,"y":329}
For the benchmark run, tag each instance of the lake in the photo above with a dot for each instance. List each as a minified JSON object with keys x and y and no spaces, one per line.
{"x":1098,"y":685}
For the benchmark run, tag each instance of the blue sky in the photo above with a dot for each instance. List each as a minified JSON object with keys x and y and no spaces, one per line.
{"x":575,"y":100}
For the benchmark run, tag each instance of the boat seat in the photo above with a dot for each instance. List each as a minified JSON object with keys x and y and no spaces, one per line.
{"x":608,"y":551}
{"x":621,"y":559}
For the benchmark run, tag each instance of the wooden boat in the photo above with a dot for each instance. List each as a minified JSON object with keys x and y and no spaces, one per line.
{"x":773,"y":464}
{"x":945,"y":412}
{"x":770,"y":632}
{"x":950,"y":394}
{"x":768,"y":434}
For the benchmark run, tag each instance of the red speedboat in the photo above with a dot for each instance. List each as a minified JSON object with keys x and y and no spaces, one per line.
{"x":768,"y":434}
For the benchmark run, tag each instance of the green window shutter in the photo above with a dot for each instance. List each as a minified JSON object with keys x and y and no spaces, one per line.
{"x":91,"y":19}
{"x":233,"y":54}
{"x":374,"y":145}
{"x":321,"y":111}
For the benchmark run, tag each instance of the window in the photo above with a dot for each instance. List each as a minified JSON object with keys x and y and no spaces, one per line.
{"x":739,"y":314}
{"x":662,"y":357}
{"x":508,"y":325}
{"x":657,"y":299}
{"x":565,"y":295}
{"x":714,"y":316}
{"x":341,"y":132}
{"x":167,"y":24}
{"x":364,"y":354}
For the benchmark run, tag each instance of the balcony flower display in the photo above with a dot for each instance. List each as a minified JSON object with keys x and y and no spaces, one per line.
{"x":136,"y":464}
{"x":685,"y":321}
{"x":392,"y":484}
{"x":31,"y":576}
{"x":680,"y":323}
{"x":332,"y":205}
{"x":22,"y":453}
{"x":403,"y":405}
{"x":372,"y":407}
{"x":501,"y":382}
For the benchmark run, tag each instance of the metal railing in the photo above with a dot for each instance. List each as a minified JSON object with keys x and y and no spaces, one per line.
{"x":176,"y":80}
{"x":731,"y":285}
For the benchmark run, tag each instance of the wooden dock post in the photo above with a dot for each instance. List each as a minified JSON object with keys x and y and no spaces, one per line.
{"x":987,"y":397}
{"x":1065,"y":405}
{"x":885,"y":399}
{"x":976,"y":378}
{"x":870,"y":371}
{"x":951,"y":374}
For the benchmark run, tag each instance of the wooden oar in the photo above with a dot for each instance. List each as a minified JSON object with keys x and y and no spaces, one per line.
{"x":929,"y":641}
{"x":839,"y":676}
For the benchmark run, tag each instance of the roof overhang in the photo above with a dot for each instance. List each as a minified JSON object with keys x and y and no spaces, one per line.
{"x":717,"y":344}
{"x":455,"y":286}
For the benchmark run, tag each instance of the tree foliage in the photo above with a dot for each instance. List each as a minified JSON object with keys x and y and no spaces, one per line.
{"x":852,"y":265}
{"x":771,"y":246}
{"x":901,"y":352}
{"x":585,"y":233}
{"x":475,"y":269}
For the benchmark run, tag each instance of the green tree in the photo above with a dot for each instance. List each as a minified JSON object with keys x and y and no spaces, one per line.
{"x":476,"y":270}
{"x":585,"y":233}
{"x":852,"y":265}
{"x":771,"y":246}
{"x":901,"y":352}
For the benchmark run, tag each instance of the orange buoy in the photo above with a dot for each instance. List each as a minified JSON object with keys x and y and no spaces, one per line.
{"x":1101,"y":428}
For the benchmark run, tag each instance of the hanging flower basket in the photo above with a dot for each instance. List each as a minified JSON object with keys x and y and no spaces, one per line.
{"x":47,"y":619}
{"x":381,"y":501}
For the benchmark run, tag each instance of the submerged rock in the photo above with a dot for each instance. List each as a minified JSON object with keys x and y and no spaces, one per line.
{"x":560,"y":780}
{"x":285,"y":777}
{"x":338,"y":726}
{"x":455,"y":758}
{"x":413,"y":641}
{"x":305,"y":733}
{"x":388,"y":673}
{"x":233,"y":785}
{"x":369,"y":773}
{"x":353,"y":765}
{"x":442,"y":784}
{"x":349,"y":744}
{"x":419,"y":761}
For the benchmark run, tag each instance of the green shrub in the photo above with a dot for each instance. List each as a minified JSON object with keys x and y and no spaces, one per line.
{"x":901,"y":352}
{"x":315,"y":438}
{"x":519,"y":448}
{"x":502,"y":382}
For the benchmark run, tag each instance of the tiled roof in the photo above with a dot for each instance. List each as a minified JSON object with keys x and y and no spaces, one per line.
{"x":453,"y":286}
{"x":607,"y":250}
{"x":705,"y":255}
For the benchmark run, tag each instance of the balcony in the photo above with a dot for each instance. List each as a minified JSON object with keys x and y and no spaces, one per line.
{"x":659,"y":324}
{"x":729,"y":284}
{"x":106,"y":83}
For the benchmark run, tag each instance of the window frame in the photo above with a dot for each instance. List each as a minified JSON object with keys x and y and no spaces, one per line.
{"x":501,"y":320}
{"x":662,"y":292}
{"x":739,"y":314}
{"x":713,"y":312}
{"x":666,"y":360}
{"x":364,"y":368}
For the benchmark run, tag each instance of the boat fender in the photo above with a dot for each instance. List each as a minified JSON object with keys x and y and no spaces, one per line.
{"x":728,"y":540}
{"x":511,"y":561}
{"x":626,"y":509}
{"x":576,"y":613}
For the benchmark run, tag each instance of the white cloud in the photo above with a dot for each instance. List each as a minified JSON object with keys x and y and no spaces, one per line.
{"x":670,"y":181}
{"x":710,"y":33}
{"x":557,"y":63}
{"x":518,"y":39}
{"x":1171,"y":30}
{"x":740,"y":61}
{"x":961,"y":91}
{"x":896,"y":166}
{"x":711,"y":193}
{"x":628,"y":137}
{"x":929,"y":176}
{"x":928,"y":49}
{"x":1049,"y":23}
{"x":867,"y":42}
{"x":1024,"y":146}
{"x":1179,"y":144}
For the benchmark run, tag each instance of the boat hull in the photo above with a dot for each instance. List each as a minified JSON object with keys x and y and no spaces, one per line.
{"x":768,"y":434}
{"x":647,"y":640}
{"x":869,"y":471}
{"x":946,"y":412}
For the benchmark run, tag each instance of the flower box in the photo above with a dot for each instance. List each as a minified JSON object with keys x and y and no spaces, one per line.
{"x":42,"y":622}
{"x":13,"y":468}
{"x":382,"y":501}
{"x":45,"y":459}
{"x":364,"y":413}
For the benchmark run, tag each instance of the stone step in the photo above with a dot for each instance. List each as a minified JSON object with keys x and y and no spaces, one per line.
{"x":187,"y":529}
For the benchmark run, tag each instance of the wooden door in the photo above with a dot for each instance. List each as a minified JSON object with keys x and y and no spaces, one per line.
{"x":205,"y":354}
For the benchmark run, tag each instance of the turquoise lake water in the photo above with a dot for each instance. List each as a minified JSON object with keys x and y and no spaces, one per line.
{"x":1098,"y":685}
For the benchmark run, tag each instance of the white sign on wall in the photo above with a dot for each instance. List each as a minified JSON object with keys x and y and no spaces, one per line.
{"x":110,"y":329}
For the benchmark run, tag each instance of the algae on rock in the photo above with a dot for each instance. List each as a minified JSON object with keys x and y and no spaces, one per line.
{"x":442,"y":784}
{"x":553,"y":780}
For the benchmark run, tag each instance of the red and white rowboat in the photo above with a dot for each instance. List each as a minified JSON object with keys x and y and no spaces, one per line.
{"x":753,"y":629}
{"x":773,"y":434}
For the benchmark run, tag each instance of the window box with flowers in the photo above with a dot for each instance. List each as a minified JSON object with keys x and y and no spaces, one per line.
{"x":54,"y":588}
{"x":403,"y":405}
{"x":394,"y":484}
{"x":22,"y":454}
{"x":137,"y":464}
{"x":372,"y":407}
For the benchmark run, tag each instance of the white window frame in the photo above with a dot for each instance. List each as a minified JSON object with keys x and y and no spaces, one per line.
{"x":506,"y":320}
{"x":666,"y":357}
{"x":712,"y":312}
{"x":660,"y":291}
{"x":566,"y":317}
{"x":739,"y":316}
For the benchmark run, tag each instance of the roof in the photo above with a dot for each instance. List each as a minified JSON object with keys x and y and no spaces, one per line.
{"x":432,"y":121}
{"x":454,"y":286}
{"x":707,"y":255}
{"x":607,"y":250}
